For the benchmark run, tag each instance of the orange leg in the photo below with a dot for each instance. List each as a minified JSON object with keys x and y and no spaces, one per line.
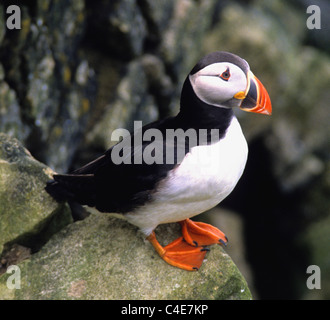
{"x":179,"y":253}
{"x":202,"y":234}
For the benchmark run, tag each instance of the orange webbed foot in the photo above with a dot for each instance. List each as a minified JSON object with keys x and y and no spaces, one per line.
{"x":179,"y":253}
{"x":202,"y":234}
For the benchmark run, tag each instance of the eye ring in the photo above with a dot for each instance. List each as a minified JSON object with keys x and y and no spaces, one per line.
{"x":225,"y":75}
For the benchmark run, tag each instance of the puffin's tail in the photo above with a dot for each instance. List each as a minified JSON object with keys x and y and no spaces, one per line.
{"x":73,"y":187}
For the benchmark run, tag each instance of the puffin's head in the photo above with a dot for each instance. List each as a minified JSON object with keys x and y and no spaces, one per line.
{"x":224,"y":80}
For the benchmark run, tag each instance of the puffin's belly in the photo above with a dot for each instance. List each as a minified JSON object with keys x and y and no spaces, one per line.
{"x":205,"y":177}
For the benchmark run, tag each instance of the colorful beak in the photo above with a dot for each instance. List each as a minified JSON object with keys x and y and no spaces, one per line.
{"x":256,"y":97}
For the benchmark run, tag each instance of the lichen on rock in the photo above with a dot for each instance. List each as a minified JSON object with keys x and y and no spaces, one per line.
{"x":26,"y":210}
{"x":103,"y":257}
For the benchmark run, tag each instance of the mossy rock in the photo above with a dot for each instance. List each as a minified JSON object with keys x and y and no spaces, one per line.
{"x":103,"y":257}
{"x":26,"y":210}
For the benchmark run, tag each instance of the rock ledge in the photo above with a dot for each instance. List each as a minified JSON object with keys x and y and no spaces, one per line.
{"x":103,"y":257}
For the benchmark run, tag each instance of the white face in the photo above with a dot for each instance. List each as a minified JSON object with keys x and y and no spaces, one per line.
{"x":217,"y":84}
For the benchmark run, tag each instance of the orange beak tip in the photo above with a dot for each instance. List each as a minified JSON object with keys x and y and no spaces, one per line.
{"x":257,"y":99}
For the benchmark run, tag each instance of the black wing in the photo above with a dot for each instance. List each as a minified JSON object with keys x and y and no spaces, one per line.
{"x":114,"y":187}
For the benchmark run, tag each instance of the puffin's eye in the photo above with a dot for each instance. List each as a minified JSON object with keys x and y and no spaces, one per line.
{"x":225,"y":75}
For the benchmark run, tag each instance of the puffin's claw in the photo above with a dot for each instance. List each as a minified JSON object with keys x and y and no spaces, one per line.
{"x":223,"y":243}
{"x":179,"y":253}
{"x":202,"y":234}
{"x":188,"y":251}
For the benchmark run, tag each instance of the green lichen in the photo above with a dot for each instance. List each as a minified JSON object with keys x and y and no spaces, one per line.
{"x":106,"y":258}
{"x":25,"y":207}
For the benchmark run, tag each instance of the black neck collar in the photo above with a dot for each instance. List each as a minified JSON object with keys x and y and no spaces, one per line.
{"x":194,"y":113}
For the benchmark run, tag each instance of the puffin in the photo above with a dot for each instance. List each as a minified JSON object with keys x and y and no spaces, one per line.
{"x":165,"y":178}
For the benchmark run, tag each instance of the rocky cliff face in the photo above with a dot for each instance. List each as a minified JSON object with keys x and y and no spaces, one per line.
{"x":77,"y":70}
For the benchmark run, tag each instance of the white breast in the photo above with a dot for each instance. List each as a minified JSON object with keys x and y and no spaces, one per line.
{"x":205,"y":177}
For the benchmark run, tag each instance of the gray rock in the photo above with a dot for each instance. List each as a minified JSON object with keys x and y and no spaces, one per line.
{"x":106,"y":258}
{"x":28,"y":215}
{"x":53,"y":85}
{"x":158,"y":15}
{"x":118,"y":27}
{"x":132,"y":102}
{"x":10,"y":113}
{"x":182,"y":42}
{"x":160,"y":85}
